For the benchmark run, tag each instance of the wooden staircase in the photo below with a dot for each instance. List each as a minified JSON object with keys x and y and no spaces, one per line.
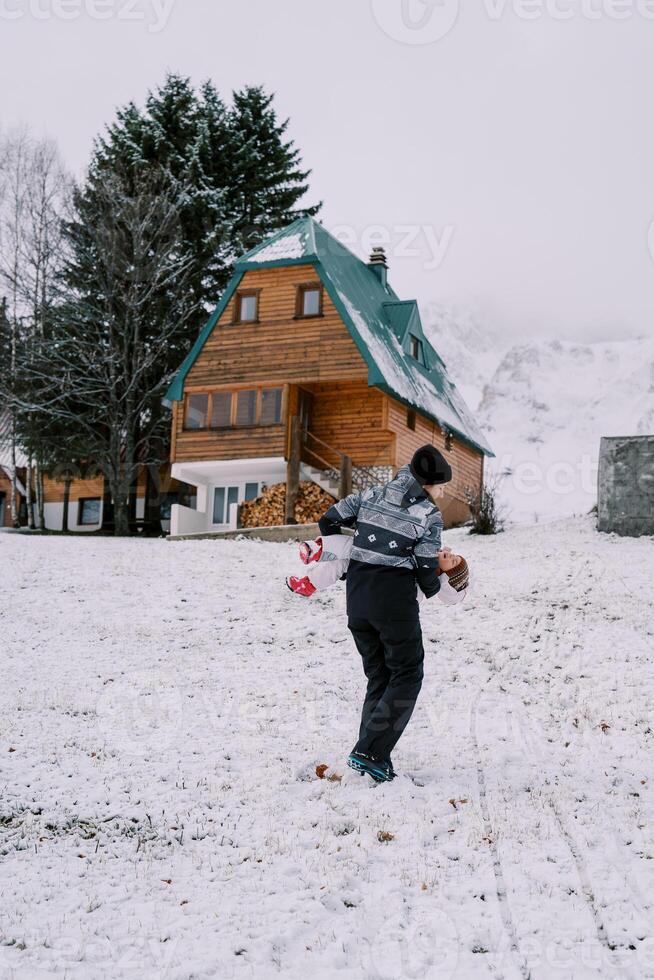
{"x":327,"y":466}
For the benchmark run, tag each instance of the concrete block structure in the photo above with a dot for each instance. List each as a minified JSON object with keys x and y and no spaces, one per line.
{"x":626,"y":485}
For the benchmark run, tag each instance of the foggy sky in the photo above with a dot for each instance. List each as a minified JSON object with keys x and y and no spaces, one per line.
{"x":508,"y":164}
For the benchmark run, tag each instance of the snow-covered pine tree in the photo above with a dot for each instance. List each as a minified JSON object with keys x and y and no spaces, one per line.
{"x":268,"y":182}
{"x":241,"y":175}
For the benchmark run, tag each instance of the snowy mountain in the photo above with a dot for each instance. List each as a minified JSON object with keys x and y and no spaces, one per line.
{"x":469,"y":347}
{"x":544,"y":407}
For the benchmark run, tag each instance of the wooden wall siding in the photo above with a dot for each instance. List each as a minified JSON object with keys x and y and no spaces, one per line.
{"x":466,"y":463}
{"x":253,"y":441}
{"x":53,"y":490}
{"x":277,"y":350}
{"x":349,"y":416}
{"x":454,"y":511}
{"x":314,"y":349}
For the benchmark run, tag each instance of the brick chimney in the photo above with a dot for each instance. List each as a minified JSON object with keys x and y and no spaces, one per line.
{"x":377,"y":263}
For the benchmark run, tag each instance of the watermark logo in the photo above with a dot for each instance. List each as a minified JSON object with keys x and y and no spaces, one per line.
{"x":416,"y":21}
{"x":425,"y":946}
{"x":154,"y":13}
{"x":564,"y":10}
{"x":424,"y":243}
{"x":426,"y":21}
{"x":141,"y":712}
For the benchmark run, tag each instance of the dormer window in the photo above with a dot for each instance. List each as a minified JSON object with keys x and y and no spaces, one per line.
{"x":309,"y":300}
{"x":246,"y":306}
{"x":415,"y":348}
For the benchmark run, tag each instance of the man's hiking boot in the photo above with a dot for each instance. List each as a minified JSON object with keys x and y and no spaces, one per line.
{"x":381,"y":770}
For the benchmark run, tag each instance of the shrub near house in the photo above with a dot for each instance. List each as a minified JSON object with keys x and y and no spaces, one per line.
{"x":309,"y":361}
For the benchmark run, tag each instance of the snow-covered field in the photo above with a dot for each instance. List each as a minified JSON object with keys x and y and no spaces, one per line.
{"x":164,"y":707}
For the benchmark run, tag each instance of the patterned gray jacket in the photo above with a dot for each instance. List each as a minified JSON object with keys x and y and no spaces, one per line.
{"x":396,"y":525}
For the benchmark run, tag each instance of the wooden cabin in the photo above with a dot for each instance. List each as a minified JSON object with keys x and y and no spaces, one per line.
{"x":87,"y":492}
{"x":312,"y":368}
{"x":5,"y":496}
{"x":89,"y":501}
{"x":5,"y":474}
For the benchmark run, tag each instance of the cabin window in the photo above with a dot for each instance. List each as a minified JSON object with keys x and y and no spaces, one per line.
{"x":221,"y":409}
{"x":411,"y":420}
{"x":246,"y":307}
{"x":89,"y":510}
{"x":246,"y":407}
{"x":225,"y":409}
{"x":309,"y":300}
{"x":416,"y":348}
{"x":271,"y":406}
{"x":251,"y":491}
{"x":197,"y":407}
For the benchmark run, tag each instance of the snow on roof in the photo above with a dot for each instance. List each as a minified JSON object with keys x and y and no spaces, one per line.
{"x":287,"y":247}
{"x":411,"y":386}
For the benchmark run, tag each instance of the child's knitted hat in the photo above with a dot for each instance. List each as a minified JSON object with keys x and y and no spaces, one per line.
{"x":459,"y":576}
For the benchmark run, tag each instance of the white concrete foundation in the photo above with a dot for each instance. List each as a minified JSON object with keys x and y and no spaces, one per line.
{"x":54,"y":512}
{"x":230,"y":477}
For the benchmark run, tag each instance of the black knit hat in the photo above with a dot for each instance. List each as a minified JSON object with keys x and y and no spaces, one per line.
{"x":430,"y":467}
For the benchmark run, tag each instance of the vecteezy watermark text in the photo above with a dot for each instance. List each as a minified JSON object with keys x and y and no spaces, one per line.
{"x":427,"y":21}
{"x":567,"y":9}
{"x":410,"y":241}
{"x":154,"y":13}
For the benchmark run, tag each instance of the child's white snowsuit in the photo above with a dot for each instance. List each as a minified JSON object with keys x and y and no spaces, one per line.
{"x":335,"y":557}
{"x":333,"y":562}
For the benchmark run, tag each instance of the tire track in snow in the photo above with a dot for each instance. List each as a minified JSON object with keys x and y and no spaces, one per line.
{"x":538,"y":759}
{"x":536,"y":624}
{"x":498,"y":871}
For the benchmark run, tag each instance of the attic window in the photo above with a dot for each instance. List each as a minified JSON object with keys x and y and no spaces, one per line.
{"x":309,"y":300}
{"x":246,"y":306}
{"x":415,"y":348}
{"x":411,"y":419}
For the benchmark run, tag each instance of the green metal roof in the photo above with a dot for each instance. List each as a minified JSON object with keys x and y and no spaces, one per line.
{"x":378,"y":322}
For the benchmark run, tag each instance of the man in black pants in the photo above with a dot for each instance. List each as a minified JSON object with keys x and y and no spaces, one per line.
{"x":396,"y":543}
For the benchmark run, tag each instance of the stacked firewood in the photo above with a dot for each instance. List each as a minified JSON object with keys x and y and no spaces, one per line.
{"x":270,"y":508}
